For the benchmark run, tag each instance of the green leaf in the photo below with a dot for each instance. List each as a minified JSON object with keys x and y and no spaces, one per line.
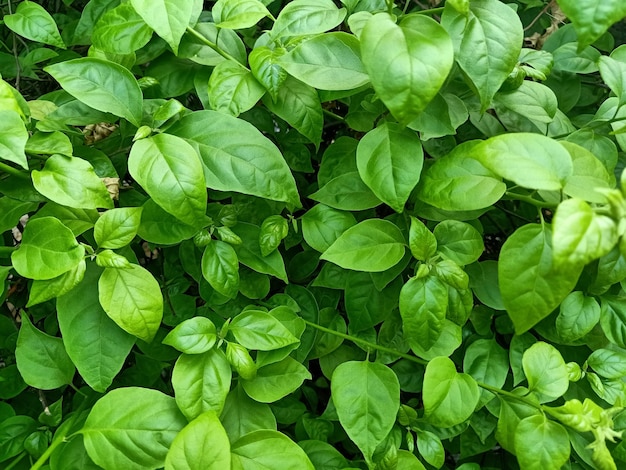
{"x":93,"y":341}
{"x":365,"y":305}
{"x":121,"y":31}
{"x":346,"y":192}
{"x":169,"y":169}
{"x":15,"y":429}
{"x":613,"y":73}
{"x":487,"y":43}
{"x":578,"y":315}
{"x":264,"y":66}
{"x":541,"y":444}
{"x":299,"y":105}
{"x":201,"y":382}
{"x":273,"y":229}
{"x":72,"y":182}
{"x":241,"y":361}
{"x":422,"y":242}
{"x":265,"y":449}
{"x":322,"y":225}
{"x":590,"y":178}
{"x":233,"y":89}
{"x":607,"y":363}
{"x":389,"y":159}
{"x":49,"y":143}
{"x":459,"y":241}
{"x":529,"y":160}
{"x":13,"y":138}
{"x":367,"y":397}
{"x":110,"y":259}
{"x":613,"y":319}
{"x":488,"y":363}
{"x":546,"y":372}
{"x":256,"y":329}
{"x":201,"y":445}
{"x":77,"y":220}
{"x":237,"y":157}
{"x":132,"y":298}
{"x":422,"y":47}
{"x":307,"y":17}
{"x":327,"y":62}
{"x":580,"y":235}
{"x":33,"y":22}
{"x":531,"y":100}
{"x":41,"y":359}
{"x":459,"y":182}
{"x":373,"y":245}
{"x":194,"y":336}
{"x":102,"y":85}
{"x":48,"y":249}
{"x":449,"y":397}
{"x":168,"y":18}
{"x":242,"y":415}
{"x":275,"y":381}
{"x":116,"y":228}
{"x":42,"y":290}
{"x":532,"y":285}
{"x":132,"y":428}
{"x":431,"y":448}
{"x":590,"y":19}
{"x":249,"y":252}
{"x":158,"y":226}
{"x":238,"y":14}
{"x":220,"y":267}
{"x":423,"y":305}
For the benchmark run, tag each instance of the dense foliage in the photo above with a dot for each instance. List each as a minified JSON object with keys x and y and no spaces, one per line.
{"x":309,"y":234}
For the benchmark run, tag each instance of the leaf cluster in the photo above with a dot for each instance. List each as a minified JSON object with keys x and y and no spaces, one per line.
{"x":312,"y":234}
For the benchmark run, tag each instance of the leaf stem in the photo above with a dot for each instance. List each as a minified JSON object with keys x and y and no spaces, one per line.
{"x":12,"y":171}
{"x":430,"y":11}
{"x":504,"y":393}
{"x":212,"y":45}
{"x":333,"y":115}
{"x":368,"y":344}
{"x":531,"y":200}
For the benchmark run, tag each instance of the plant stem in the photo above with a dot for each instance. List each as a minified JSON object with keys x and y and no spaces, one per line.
{"x":17,"y":460}
{"x":430,"y":11}
{"x":368,"y":344}
{"x":12,"y":171}
{"x":504,"y":393}
{"x":333,"y":115}
{"x":531,"y":200}
{"x":212,"y":45}
{"x":417,"y":360}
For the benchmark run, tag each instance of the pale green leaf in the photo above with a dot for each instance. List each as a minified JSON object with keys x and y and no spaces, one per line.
{"x":367,"y":397}
{"x":237,"y":157}
{"x":48,"y":249}
{"x":170,"y":171}
{"x":201,"y":445}
{"x":373,"y":245}
{"x":41,"y":359}
{"x":407,"y":80}
{"x":168,"y":18}
{"x":132,"y":298}
{"x":487,"y":43}
{"x":132,"y":428}
{"x":389,"y":159}
{"x":102,"y":85}
{"x":71,"y":181}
